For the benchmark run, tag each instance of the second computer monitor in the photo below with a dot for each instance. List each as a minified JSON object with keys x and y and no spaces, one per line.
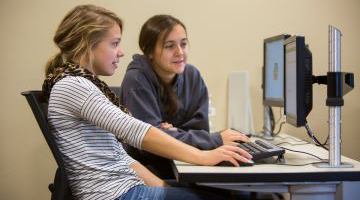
{"x":298,"y":81}
{"x":273,"y":71}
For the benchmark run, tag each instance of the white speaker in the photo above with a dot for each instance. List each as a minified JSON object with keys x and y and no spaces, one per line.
{"x":239,"y":103}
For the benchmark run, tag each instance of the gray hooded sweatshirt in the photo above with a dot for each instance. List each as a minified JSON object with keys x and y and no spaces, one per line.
{"x":140,"y":93}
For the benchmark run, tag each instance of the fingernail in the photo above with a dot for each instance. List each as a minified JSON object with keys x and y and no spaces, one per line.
{"x":250,"y":161}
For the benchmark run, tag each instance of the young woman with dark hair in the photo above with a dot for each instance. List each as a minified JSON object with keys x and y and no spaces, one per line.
{"x":162,"y":89}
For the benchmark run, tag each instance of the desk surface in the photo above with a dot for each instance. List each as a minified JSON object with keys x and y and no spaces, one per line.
{"x":185,"y":172}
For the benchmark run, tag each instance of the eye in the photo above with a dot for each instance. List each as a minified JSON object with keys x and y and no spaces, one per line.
{"x":183,"y":44}
{"x":115,"y":44}
{"x":169,"y":46}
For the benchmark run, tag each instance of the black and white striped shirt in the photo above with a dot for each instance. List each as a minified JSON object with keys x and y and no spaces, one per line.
{"x":86,"y":126}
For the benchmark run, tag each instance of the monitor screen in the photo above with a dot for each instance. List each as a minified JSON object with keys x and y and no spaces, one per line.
{"x":273,"y":74}
{"x":298,"y":81}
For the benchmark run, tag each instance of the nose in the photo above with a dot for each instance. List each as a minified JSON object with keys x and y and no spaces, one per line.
{"x":120,"y":52}
{"x":179,"y":50}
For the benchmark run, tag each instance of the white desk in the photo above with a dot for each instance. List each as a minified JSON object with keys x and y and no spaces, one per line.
{"x":302,"y":182}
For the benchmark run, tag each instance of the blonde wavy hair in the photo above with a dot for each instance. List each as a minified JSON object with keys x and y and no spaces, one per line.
{"x":78,"y":33}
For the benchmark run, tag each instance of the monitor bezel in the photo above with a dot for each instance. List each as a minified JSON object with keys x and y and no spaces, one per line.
{"x":300,"y":118}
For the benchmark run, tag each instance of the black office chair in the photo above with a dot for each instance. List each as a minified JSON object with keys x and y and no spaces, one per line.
{"x":60,"y":189}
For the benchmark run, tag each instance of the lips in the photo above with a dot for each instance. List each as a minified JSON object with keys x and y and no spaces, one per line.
{"x":179,"y":61}
{"x":115,"y":64}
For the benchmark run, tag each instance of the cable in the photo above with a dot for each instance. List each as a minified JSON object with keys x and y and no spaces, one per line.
{"x":304,"y":153}
{"x":302,"y":164}
{"x":323,"y":144}
{"x":282,"y":123}
{"x":272,"y":121}
{"x":311,"y":134}
{"x":317,"y":143}
{"x":327,"y":139}
{"x":278,"y":131}
{"x":280,"y":116}
{"x":305,"y":142}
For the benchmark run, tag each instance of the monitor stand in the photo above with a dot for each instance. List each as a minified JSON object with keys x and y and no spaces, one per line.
{"x":267,"y":132}
{"x":334,"y":102}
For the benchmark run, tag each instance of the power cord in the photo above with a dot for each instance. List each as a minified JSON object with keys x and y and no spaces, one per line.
{"x":312,"y":136}
{"x":272,"y":120}
{"x":278,"y":131}
{"x":309,"y":132}
{"x":281,"y":161}
{"x":304,"y":153}
{"x":304,"y":142}
{"x":280,"y":116}
{"x":302,"y":164}
{"x":327,"y":140}
{"x":277,"y":121}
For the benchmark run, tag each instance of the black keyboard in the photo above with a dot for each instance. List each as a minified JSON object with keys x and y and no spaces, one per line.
{"x":260,"y":149}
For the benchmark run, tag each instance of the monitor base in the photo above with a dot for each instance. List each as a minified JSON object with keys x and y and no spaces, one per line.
{"x":327,"y":165}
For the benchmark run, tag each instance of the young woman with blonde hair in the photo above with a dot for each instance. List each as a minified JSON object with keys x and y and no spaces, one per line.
{"x":87,"y":119}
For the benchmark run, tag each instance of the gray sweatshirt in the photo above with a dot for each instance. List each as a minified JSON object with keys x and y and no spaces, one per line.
{"x":140,"y":93}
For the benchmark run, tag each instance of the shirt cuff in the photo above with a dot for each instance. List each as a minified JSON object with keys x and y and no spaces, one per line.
{"x":217,"y":138}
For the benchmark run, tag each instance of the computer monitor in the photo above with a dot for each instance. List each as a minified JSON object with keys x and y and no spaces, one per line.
{"x":273,"y":71}
{"x":298,"y":81}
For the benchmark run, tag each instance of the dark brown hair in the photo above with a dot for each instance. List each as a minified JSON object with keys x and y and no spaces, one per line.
{"x":80,"y":30}
{"x":154,"y":29}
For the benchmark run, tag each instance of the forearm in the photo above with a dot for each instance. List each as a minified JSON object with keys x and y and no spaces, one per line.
{"x":199,"y":139}
{"x":159,"y":143}
{"x":150,"y":179}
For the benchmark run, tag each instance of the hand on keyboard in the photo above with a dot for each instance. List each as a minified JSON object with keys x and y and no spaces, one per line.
{"x":260,"y":149}
{"x":230,"y":137}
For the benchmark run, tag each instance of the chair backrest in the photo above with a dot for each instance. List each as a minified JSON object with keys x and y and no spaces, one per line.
{"x":39,"y":106}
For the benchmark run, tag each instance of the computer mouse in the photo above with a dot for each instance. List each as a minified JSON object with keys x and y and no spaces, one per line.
{"x":241,"y":163}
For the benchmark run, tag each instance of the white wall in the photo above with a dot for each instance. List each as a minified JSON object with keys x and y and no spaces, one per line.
{"x":225,"y":36}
